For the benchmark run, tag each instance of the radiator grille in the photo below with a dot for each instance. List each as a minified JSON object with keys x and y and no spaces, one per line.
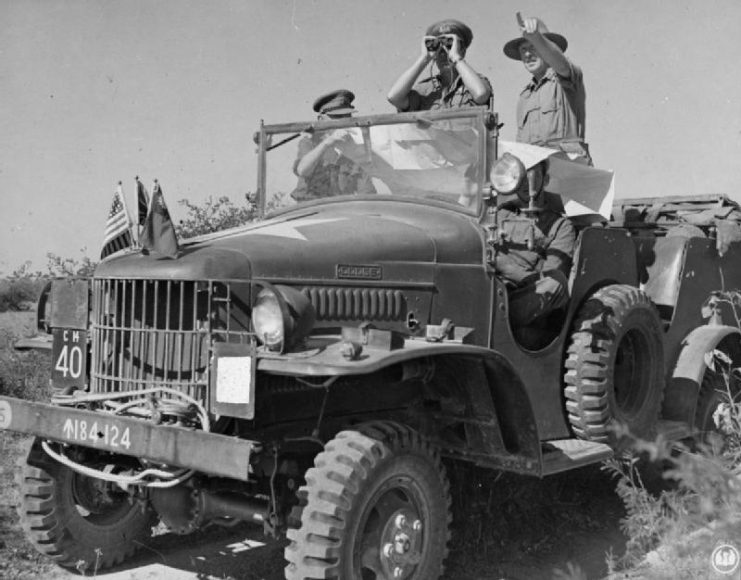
{"x":356,"y":303}
{"x":149,"y":333}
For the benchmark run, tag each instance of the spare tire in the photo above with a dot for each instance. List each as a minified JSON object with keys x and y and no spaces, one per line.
{"x":615,"y":365}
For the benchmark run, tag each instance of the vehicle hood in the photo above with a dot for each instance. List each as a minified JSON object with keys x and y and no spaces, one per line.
{"x":395,"y":240}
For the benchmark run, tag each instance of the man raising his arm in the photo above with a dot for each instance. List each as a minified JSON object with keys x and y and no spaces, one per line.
{"x":551,"y":109}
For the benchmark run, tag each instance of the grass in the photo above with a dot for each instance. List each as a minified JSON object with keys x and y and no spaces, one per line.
{"x":514,"y":526}
{"x":27,"y":375}
{"x":17,"y":558}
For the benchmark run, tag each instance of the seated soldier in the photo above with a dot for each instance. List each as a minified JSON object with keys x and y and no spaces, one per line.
{"x":321,"y":169}
{"x":533,"y":252}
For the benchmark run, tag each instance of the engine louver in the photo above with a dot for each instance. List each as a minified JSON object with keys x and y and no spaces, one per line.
{"x":356,"y":303}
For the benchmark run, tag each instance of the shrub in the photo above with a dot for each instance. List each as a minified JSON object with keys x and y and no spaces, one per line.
{"x":213,"y":216}
{"x":24,"y":375}
{"x":705,"y":506}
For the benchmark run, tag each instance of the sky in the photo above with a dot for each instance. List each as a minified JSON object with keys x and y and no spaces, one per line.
{"x":93,"y":92}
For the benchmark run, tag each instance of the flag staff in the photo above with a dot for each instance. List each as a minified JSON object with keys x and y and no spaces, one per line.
{"x":142,"y":203}
{"x":123,"y":203}
{"x":138,"y":213}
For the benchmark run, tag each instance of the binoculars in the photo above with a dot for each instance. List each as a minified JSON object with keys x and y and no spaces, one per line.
{"x":435,"y":43}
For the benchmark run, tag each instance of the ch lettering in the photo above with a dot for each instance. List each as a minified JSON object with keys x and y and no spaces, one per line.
{"x":75,"y":336}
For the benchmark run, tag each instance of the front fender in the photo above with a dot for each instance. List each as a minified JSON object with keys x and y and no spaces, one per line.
{"x":328,"y":359}
{"x":499,"y":420}
{"x":684,"y":384}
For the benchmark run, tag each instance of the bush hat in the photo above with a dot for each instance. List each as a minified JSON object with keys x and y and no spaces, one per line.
{"x":512,"y":48}
{"x":451,"y":26}
{"x":337,"y":102}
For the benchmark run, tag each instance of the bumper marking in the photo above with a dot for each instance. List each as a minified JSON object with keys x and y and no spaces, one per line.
{"x":164,"y":444}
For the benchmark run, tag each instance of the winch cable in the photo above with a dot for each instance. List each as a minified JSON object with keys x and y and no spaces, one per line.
{"x":122,"y":481}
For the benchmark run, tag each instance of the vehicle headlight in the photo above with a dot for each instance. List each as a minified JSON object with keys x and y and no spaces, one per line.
{"x":281,"y":317}
{"x":507,"y":174}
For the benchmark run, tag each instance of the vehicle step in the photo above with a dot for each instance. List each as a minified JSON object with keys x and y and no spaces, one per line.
{"x":565,"y":454}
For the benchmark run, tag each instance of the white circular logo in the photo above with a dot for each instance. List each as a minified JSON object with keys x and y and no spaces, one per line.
{"x":725,"y":559}
{"x":5,"y":415}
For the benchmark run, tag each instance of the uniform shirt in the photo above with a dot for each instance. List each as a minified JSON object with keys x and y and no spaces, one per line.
{"x":553,"y":109}
{"x":334,"y":174}
{"x":553,"y":249}
{"x":429,"y":95}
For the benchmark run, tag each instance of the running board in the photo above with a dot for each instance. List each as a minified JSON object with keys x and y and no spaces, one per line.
{"x":566,"y":454}
{"x":673,"y":430}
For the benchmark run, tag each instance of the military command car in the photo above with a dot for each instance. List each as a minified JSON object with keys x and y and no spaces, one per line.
{"x":317,"y":371}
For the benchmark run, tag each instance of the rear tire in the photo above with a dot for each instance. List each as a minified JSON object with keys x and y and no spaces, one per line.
{"x":615,"y":365}
{"x":376,"y":505}
{"x":79,"y":522}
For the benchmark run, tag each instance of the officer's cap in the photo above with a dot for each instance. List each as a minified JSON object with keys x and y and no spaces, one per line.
{"x":451,"y":26}
{"x":335,"y":103}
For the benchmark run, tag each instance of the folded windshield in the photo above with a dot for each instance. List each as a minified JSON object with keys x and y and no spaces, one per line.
{"x":426,"y":159}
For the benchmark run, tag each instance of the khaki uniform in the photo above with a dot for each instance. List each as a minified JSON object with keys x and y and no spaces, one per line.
{"x":552,"y":113}
{"x":429,"y":95}
{"x":537,"y":277}
{"x":334,"y":175}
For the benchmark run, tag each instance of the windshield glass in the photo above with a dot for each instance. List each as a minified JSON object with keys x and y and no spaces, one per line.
{"x":423,"y":157}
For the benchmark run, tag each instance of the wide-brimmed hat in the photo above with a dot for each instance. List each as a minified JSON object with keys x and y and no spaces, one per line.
{"x":512,"y":48}
{"x":451,"y":26}
{"x":337,"y":102}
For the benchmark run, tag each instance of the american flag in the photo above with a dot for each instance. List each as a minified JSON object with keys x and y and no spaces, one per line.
{"x":118,"y":227}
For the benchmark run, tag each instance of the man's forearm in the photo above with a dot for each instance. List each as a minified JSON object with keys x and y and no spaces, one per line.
{"x":399,"y":93}
{"x":308,"y":162}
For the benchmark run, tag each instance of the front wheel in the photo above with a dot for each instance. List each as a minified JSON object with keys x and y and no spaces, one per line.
{"x":376,"y":505}
{"x":78,"y":521}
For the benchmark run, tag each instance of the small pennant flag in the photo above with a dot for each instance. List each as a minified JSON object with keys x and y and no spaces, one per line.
{"x":142,"y":201}
{"x":118,"y":226}
{"x":158,"y":234}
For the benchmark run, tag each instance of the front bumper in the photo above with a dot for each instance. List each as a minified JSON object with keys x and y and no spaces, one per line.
{"x":211,"y":453}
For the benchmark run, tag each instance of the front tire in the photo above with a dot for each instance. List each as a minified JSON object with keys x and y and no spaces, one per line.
{"x":77,"y":521}
{"x":375,"y":505}
{"x":615,"y":365}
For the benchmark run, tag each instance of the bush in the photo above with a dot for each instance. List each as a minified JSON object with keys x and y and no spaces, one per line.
{"x":21,"y":289}
{"x":17,"y":294}
{"x":681,"y":527}
{"x":24,"y":375}
{"x":214,"y":216}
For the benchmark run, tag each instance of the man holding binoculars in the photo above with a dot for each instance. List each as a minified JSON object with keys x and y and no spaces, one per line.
{"x":456,"y":83}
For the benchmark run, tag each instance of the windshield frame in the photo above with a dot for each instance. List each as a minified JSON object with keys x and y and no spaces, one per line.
{"x":487,"y":144}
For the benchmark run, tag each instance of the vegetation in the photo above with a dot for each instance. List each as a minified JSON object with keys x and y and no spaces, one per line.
{"x":214,"y":215}
{"x":672,"y":531}
{"x":21,"y":375}
{"x":20,"y":289}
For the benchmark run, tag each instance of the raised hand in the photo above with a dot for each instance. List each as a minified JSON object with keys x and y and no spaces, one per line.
{"x":530,"y":25}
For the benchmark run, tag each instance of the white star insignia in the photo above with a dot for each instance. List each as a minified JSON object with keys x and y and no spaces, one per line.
{"x":288,"y":229}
